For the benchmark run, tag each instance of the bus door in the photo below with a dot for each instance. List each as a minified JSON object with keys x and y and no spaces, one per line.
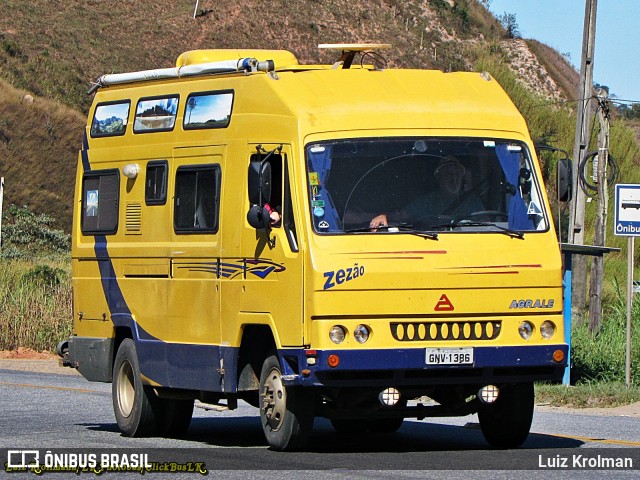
{"x":193,"y":304}
{"x":266,"y":279}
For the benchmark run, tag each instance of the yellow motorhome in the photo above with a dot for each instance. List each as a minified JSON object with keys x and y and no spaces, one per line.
{"x":316,"y":240}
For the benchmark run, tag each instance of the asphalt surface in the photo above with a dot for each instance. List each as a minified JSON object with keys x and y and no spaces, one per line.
{"x":62,"y":412}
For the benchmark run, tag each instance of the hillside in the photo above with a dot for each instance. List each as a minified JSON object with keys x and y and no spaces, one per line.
{"x":39,"y":141}
{"x":52,"y":50}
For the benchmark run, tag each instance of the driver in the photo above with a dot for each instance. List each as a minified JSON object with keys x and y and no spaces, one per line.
{"x":452,"y":198}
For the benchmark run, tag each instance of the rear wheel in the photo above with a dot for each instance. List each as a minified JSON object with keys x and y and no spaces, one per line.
{"x":134,"y":404}
{"x":506,"y":423}
{"x":176,"y":416}
{"x":286,"y":413}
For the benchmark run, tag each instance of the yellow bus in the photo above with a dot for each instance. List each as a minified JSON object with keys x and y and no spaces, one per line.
{"x":348,"y":241}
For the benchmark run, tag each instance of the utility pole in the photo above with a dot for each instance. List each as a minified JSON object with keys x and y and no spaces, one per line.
{"x":599,"y":236}
{"x":576,"y":216}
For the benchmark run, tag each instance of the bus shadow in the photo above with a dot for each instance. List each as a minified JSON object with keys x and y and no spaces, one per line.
{"x":413,"y":436}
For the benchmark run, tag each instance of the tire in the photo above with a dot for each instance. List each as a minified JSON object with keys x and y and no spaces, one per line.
{"x":286,"y":414}
{"x":506,"y":423}
{"x":135,"y":405}
{"x":176,"y":417}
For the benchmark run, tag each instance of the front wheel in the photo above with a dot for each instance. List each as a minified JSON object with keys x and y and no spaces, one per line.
{"x":506,"y":423}
{"x":286,"y":413}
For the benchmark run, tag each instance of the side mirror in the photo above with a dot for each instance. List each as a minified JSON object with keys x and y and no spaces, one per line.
{"x":259,"y":182}
{"x":564,"y":180}
{"x":258,"y":217}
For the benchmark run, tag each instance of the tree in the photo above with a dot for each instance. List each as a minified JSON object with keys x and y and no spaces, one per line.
{"x":510,"y":24}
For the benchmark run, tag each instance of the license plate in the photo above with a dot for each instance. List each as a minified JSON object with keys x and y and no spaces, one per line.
{"x":449,"y":356}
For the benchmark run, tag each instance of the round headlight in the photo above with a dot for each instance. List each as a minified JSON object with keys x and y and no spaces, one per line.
{"x":547,"y":329}
{"x":361,"y":333}
{"x":525,"y":330}
{"x":337,"y":334}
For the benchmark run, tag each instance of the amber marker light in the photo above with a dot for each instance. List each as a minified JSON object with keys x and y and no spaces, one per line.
{"x":333,"y":361}
{"x":558,"y":356}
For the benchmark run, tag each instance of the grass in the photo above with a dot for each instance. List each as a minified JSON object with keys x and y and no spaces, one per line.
{"x":35,"y":304}
{"x":587,"y":395}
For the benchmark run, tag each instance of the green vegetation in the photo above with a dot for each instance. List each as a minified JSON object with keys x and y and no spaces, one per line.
{"x":26,"y":235}
{"x":35,"y":284}
{"x":35,"y":304}
{"x":585,"y":395}
{"x":601,"y":357}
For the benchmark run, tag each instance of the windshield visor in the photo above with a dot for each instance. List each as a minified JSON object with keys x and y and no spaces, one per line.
{"x":423,"y":184}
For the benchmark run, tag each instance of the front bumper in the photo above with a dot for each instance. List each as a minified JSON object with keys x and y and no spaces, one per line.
{"x":407,"y":367}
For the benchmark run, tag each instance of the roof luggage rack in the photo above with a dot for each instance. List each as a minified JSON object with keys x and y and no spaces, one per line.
{"x":247,"y":65}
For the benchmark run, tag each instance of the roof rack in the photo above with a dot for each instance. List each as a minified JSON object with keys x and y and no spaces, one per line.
{"x":225,"y":66}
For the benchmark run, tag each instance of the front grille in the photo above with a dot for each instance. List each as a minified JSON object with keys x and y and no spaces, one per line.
{"x":461,"y":330}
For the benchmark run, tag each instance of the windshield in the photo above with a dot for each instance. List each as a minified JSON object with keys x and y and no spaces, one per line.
{"x":423,"y":184}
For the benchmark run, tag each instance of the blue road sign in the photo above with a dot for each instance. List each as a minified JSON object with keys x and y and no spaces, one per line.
{"x":627,"y":212}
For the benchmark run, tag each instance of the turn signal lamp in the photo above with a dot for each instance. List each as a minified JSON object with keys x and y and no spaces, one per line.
{"x":558,"y":356}
{"x":333,"y":361}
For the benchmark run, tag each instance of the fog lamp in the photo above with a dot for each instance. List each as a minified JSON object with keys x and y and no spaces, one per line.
{"x":389,"y":397}
{"x":488,"y":394}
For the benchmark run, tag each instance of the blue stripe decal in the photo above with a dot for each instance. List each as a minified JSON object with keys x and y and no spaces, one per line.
{"x":84,"y":153}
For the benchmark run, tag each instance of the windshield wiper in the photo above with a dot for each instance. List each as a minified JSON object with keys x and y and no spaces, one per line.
{"x":506,"y":231}
{"x":401,"y":227}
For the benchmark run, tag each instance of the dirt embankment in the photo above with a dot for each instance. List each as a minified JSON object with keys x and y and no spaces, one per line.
{"x":28,"y":360}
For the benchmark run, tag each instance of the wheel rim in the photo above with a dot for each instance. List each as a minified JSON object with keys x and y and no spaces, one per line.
{"x":126,"y":389}
{"x":274,"y":399}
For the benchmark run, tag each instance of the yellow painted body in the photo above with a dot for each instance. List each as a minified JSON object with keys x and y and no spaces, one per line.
{"x":166,"y":277}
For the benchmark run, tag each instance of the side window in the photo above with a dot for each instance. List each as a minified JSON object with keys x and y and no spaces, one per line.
{"x":155,"y":191}
{"x":275,"y":161}
{"x":110,"y":119}
{"x":208,"y":110}
{"x":100,"y":199}
{"x":197,"y":197}
{"x":156,"y":114}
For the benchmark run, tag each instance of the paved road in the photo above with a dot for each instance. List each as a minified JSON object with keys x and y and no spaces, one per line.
{"x":58,"y":411}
